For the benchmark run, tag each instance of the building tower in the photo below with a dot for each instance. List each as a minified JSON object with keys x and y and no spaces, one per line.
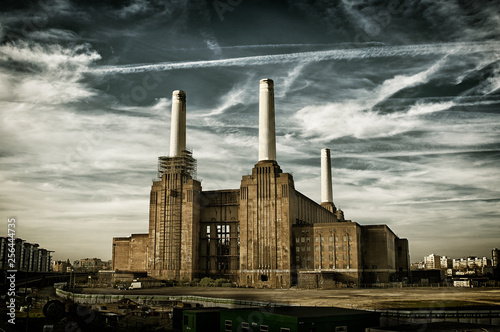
{"x":264,"y":214}
{"x":174,"y":208}
{"x":326,"y":181}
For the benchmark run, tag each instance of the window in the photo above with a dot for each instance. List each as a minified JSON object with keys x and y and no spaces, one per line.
{"x":245,"y":327}
{"x":341,"y":329}
{"x":229,"y":326}
{"x":316,"y":248}
{"x":186,"y":320}
{"x":223,"y":232}
{"x":330,"y":239}
{"x":284,"y":329}
{"x":316,"y":239}
{"x":264,"y":328}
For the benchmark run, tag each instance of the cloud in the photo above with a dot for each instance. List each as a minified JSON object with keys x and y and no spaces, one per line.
{"x":358,"y":119}
{"x":45,"y":73}
{"x":346,"y":54}
{"x":52,"y":35}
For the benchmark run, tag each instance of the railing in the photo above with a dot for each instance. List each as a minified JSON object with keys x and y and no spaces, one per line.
{"x":144,"y":299}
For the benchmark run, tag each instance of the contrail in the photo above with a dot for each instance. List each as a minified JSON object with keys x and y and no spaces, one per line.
{"x":340,"y":54}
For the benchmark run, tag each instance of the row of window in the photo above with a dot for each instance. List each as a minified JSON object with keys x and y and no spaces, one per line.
{"x":323,"y":258}
{"x":316,"y":248}
{"x":306,"y":239}
{"x":245,"y":327}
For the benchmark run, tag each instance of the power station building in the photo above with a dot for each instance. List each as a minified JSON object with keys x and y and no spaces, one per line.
{"x":264,"y":233}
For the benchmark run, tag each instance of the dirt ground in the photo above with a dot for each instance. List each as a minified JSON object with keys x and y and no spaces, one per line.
{"x":346,"y":298}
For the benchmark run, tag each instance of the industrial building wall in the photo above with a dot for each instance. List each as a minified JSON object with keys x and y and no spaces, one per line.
{"x":130,"y":253}
{"x":332,"y":248}
{"x":265,"y":227}
{"x":174,"y":226}
{"x":402,"y":259}
{"x":154,"y":225}
{"x":379,"y":256}
{"x":121,"y":253}
{"x":305,"y":210}
{"x":138,"y":252}
{"x":219,"y":234}
{"x":190,"y":229}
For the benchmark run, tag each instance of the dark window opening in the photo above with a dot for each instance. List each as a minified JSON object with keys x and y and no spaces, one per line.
{"x":229,"y":326}
{"x":263,"y":277}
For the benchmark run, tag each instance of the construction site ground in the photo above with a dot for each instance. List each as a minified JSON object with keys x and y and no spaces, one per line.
{"x":361,"y":298}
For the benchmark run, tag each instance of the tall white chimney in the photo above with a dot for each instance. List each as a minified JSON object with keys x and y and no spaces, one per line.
{"x":267,"y":132}
{"x":326,"y":177}
{"x":178,"y":124}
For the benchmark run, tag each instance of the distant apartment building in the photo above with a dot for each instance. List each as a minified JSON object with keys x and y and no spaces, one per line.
{"x":29,"y":257}
{"x":446,"y":262}
{"x":459,"y":263}
{"x":495,"y":256}
{"x":432,"y":262}
{"x":61,"y":266}
{"x":417,"y":266}
{"x":471,"y":263}
{"x":464,"y":272}
{"x":91,"y":265}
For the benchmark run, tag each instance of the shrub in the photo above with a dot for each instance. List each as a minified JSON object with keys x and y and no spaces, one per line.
{"x":219,"y":282}
{"x":206,"y":282}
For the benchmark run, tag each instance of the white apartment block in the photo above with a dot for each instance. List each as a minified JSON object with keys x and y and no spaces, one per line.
{"x":432,"y":262}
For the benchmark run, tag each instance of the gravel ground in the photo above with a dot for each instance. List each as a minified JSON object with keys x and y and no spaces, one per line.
{"x":345,"y":298}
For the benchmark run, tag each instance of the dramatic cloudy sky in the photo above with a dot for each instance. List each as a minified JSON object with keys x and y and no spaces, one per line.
{"x":406,"y":94}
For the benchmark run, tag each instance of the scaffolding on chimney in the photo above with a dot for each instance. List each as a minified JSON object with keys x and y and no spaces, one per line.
{"x":185,"y":164}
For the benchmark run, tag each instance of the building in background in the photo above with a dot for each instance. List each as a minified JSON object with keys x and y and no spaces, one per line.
{"x":91,"y":265}
{"x":495,"y":256}
{"x":264,"y":233}
{"x":62,"y":266}
{"x":446,"y":262}
{"x":29,"y":257}
{"x":432,"y":262}
{"x":468,"y":271}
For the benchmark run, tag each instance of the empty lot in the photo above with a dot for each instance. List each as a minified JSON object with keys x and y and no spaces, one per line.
{"x":346,"y":298}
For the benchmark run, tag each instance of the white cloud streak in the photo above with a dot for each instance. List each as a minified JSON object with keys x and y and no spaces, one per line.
{"x":344,"y":54}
